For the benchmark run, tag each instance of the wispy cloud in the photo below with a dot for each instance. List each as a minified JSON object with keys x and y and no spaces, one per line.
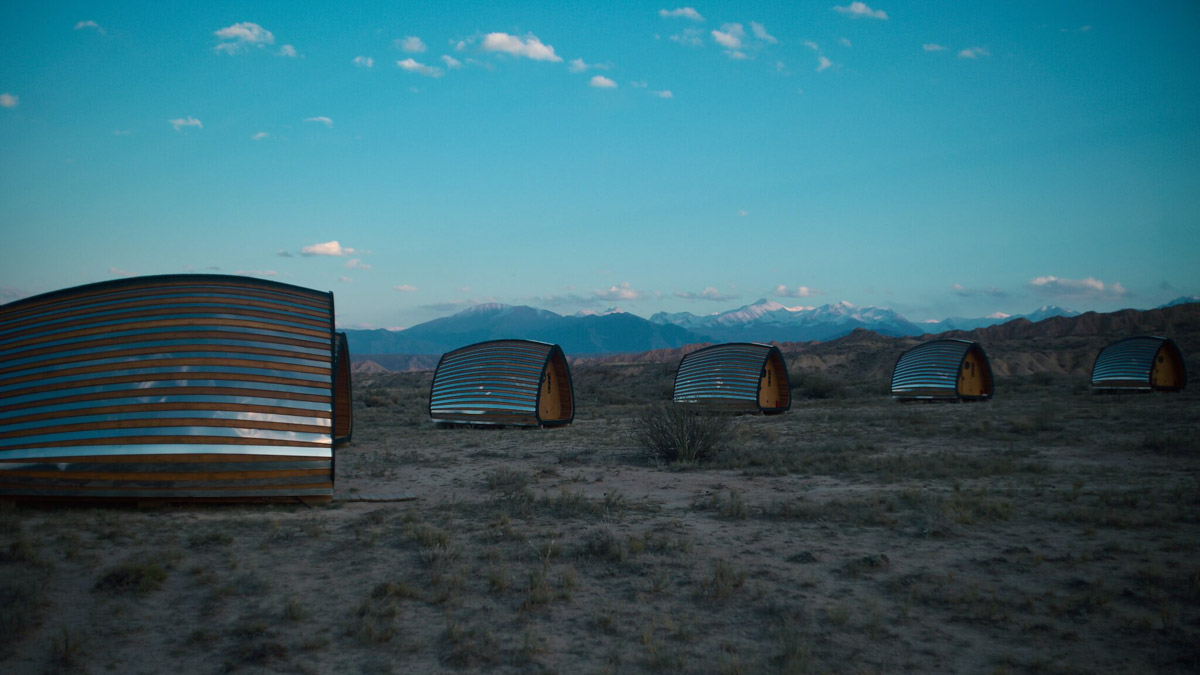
{"x":326,"y":248}
{"x":621,"y":291}
{"x":8,"y":100}
{"x":405,"y":288}
{"x":320,"y":119}
{"x":989,"y":292}
{"x":259,"y":136}
{"x":730,"y":36}
{"x":688,"y":13}
{"x":566,"y":300}
{"x":579,"y":66}
{"x":90,"y":24}
{"x":451,"y":62}
{"x":973,"y":53}
{"x":181,"y":122}
{"x":411,"y":44}
{"x":601,"y":82}
{"x":823,"y":63}
{"x":10,"y":293}
{"x":709,"y":293}
{"x":860,"y":10}
{"x":797,"y":292}
{"x":288,"y":51}
{"x":419,"y":68}
{"x":344,"y":280}
{"x":663,"y":93}
{"x":933,"y":47}
{"x":364,"y":62}
{"x":118,"y":272}
{"x":242,"y":36}
{"x":529,"y":47}
{"x":284,"y":253}
{"x":1089,"y":287}
{"x":257,"y":273}
{"x":356,"y":264}
{"x":690,"y":37}
{"x":761,"y":33}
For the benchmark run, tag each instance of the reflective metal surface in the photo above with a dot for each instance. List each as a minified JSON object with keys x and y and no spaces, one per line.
{"x":1142,"y":363}
{"x":515,"y":382}
{"x":177,"y":366}
{"x":733,"y":377}
{"x":932,"y":370}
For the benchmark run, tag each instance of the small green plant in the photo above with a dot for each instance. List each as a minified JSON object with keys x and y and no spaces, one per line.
{"x":674,"y":434}
{"x":132,"y":578}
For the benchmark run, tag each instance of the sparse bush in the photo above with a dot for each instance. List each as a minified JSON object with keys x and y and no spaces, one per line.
{"x":818,"y":386}
{"x":133,"y":578}
{"x":674,"y":434}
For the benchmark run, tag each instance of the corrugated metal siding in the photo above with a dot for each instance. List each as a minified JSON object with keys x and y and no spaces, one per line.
{"x":181,"y":386}
{"x":1127,"y":364}
{"x":931,"y":370}
{"x":727,"y":376}
{"x":498,"y":382}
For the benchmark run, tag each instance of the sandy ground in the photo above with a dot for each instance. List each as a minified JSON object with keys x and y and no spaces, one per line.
{"x":1048,"y":530}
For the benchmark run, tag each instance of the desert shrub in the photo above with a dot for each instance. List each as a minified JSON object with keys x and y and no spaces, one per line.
{"x":819,"y":386}
{"x":673,"y":434}
{"x":133,"y":578}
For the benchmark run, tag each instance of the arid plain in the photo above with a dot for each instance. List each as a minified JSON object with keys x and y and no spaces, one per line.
{"x":1048,"y":530}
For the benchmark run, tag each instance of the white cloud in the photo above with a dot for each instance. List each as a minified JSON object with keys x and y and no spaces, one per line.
{"x":8,"y":100}
{"x":288,"y":51}
{"x":364,"y":62}
{"x":411,"y":44}
{"x":933,"y":47}
{"x":602,"y":82}
{"x":823,"y":63}
{"x":681,"y":13}
{"x":326,"y":248}
{"x":284,"y":253}
{"x":259,"y":136}
{"x":709,"y":293}
{"x":1088,"y":287}
{"x":257,"y":273}
{"x":579,"y":66}
{"x":621,"y":291}
{"x":344,"y":280}
{"x":845,"y":42}
{"x":797,"y":292}
{"x":690,"y":37}
{"x":812,"y":45}
{"x":239,"y":36}
{"x":730,"y":36}
{"x":121,"y":132}
{"x":118,"y":272}
{"x":90,"y":24}
{"x":356,"y":264}
{"x":189,"y":121}
{"x":530,"y":47}
{"x":419,"y":68}
{"x":451,"y":62}
{"x":860,"y":10}
{"x":974,"y":53}
{"x":320,"y":119}
{"x":664,"y":93}
{"x":761,"y":33}
{"x":405,"y":288}
{"x":990,"y":291}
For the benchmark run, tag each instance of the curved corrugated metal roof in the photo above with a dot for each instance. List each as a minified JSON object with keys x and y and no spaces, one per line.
{"x":175,"y":386}
{"x":502,"y":382}
{"x":730,"y":376}
{"x":1130,"y":363}
{"x":931,"y":370}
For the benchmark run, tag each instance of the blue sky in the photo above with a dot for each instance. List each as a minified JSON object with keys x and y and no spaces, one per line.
{"x":945,"y":159}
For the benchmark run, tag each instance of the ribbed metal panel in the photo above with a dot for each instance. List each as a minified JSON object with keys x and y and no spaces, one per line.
{"x":931,"y":370}
{"x":502,"y":382}
{"x":1128,"y":364}
{"x":730,"y":377}
{"x":178,"y":386}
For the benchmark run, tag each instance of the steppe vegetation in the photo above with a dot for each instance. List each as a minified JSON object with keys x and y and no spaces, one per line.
{"x":1048,"y":530}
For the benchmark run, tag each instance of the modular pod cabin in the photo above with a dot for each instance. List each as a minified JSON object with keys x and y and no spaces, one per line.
{"x":178,"y":387}
{"x":739,"y":377}
{"x":503,"y":382}
{"x":1143,"y":363}
{"x":943,"y":370}
{"x":343,"y":400}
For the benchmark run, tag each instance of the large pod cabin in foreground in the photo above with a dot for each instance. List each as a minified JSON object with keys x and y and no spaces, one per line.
{"x":178,"y":387}
{"x":503,"y":382}
{"x":943,"y":370}
{"x":1144,"y":363}
{"x":739,"y":377}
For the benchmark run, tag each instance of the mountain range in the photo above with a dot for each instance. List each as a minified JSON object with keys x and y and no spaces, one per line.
{"x":614,"y":331}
